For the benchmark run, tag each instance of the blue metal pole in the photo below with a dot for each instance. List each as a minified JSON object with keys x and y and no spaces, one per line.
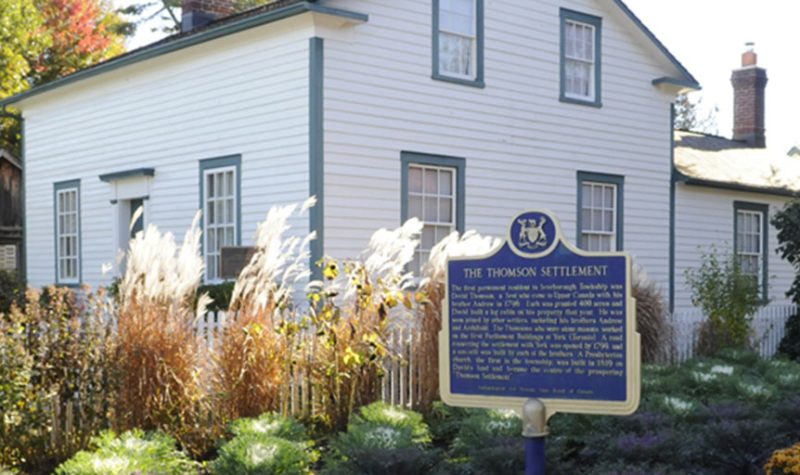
{"x":534,"y":456}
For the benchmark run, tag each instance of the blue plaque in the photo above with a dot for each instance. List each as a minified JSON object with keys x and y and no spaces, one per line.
{"x":539,"y":318}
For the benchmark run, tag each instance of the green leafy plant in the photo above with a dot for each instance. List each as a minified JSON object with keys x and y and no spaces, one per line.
{"x":728,"y":298}
{"x":384,"y":440}
{"x":129,"y":453}
{"x":268,"y":444}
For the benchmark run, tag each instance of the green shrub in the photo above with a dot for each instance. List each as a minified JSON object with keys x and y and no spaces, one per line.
{"x":382,"y":440}
{"x":131,"y":453}
{"x":53,"y":349}
{"x":728,"y":298}
{"x":220,"y":295}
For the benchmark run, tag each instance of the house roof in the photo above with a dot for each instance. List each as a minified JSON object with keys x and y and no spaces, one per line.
{"x":224,"y":26}
{"x":275,"y":11}
{"x":719,"y":162}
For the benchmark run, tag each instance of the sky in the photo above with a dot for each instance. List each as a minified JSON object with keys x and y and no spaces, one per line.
{"x":708,"y":38}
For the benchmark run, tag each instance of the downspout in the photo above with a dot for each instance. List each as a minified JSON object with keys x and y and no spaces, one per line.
{"x":23,"y":268}
{"x":672,"y":184}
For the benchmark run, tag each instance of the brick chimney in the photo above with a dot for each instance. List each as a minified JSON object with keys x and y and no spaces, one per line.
{"x":749,"y":83}
{"x":196,"y":13}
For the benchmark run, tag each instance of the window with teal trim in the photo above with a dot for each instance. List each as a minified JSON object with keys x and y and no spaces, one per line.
{"x":67,"y":209}
{"x":220,"y":201}
{"x":580,"y":58}
{"x":433,"y":191}
{"x":458,"y":41}
{"x":750,"y":241}
{"x":600,"y":217}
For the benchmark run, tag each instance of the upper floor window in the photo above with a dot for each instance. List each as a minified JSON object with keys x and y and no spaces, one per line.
{"x":458,"y":41}
{"x":68,"y":236}
{"x":750,"y":241}
{"x":599,"y":212}
{"x":580,"y":58}
{"x":220,"y":200}
{"x":433,"y":191}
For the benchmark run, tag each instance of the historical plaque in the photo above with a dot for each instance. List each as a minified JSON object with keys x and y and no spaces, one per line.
{"x":539,"y":318}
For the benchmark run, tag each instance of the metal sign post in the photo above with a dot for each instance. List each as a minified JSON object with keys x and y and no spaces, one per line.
{"x":534,"y":429}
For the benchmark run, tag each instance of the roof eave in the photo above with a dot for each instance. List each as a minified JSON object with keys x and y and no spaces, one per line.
{"x":680,"y":177}
{"x":687,"y":77}
{"x":187,"y":41}
{"x":678,"y":86}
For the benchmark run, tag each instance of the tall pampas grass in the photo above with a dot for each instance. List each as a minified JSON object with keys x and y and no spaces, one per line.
{"x":352,"y":312}
{"x":429,"y":315}
{"x":162,"y":365}
{"x":652,"y":321}
{"x":254,"y":360}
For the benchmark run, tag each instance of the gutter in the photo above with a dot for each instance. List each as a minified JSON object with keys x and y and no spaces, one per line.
{"x":679,"y":177}
{"x":200,"y":37}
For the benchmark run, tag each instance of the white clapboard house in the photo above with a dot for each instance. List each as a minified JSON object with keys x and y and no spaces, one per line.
{"x":460,"y":112}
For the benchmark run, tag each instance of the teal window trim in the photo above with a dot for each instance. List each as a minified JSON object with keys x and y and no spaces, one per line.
{"x":135,"y":173}
{"x":764,"y":210}
{"x":316,"y":152}
{"x":457,"y":163}
{"x":597,"y":23}
{"x":605,"y":178}
{"x":479,"y":47}
{"x":64,"y":186}
{"x":211,"y":164}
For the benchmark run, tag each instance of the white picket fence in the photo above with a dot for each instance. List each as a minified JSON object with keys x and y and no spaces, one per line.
{"x":399,"y":383}
{"x":768,"y":327}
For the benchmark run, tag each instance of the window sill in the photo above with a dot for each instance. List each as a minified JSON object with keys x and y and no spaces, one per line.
{"x":464,"y":82}
{"x":581,"y":102}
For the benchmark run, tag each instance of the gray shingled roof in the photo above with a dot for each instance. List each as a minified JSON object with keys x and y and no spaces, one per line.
{"x":712,"y":160}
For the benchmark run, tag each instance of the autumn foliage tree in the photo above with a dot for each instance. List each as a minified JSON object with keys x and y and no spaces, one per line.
{"x":81,"y":33}
{"x":43,"y":40}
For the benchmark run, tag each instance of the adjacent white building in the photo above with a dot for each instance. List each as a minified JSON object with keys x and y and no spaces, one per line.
{"x":460,"y":112}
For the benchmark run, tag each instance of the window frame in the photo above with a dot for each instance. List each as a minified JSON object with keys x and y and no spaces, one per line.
{"x":478,"y":80}
{"x":65,"y":187}
{"x":216,"y":165}
{"x":763,"y":209}
{"x":457,"y":164}
{"x":604,"y":179}
{"x":597,"y":23}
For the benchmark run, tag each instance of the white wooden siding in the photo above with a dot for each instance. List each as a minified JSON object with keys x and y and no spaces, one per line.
{"x":522,"y":146}
{"x":704,"y":216}
{"x":243,"y":94}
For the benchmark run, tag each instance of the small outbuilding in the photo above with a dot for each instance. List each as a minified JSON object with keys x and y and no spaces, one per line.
{"x":10,"y":212}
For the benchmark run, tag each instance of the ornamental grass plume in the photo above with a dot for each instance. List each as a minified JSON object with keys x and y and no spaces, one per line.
{"x":162,"y":365}
{"x":351,"y":313}
{"x":429,"y":315}
{"x":651,"y":318}
{"x":254,"y":359}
